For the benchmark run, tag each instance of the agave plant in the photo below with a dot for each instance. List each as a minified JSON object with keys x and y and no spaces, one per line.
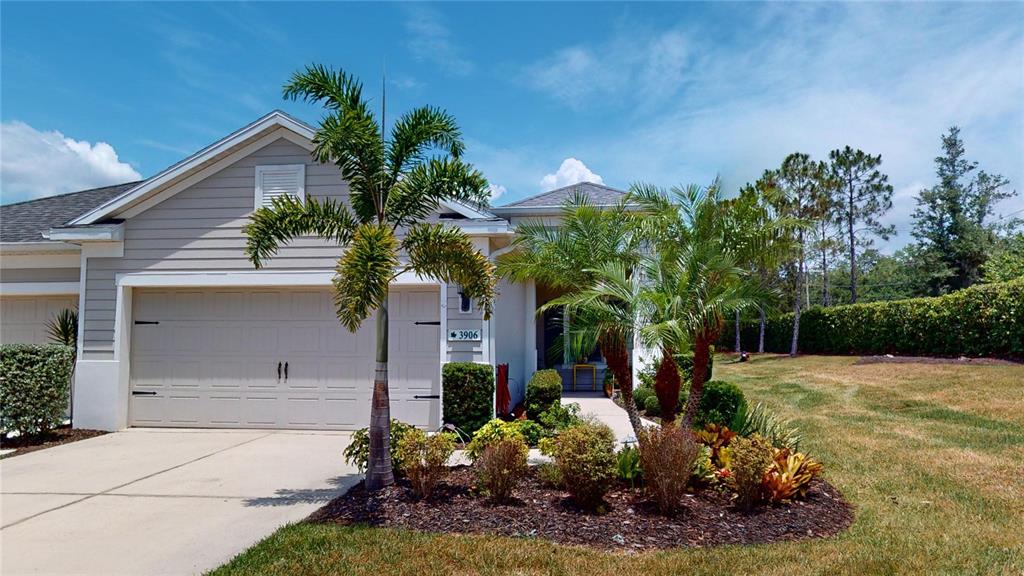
{"x":63,"y":327}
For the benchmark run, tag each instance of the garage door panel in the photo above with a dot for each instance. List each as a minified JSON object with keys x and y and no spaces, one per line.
{"x":218,"y":368}
{"x":23,"y":319}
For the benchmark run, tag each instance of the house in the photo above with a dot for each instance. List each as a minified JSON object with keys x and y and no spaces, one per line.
{"x":176,"y":327}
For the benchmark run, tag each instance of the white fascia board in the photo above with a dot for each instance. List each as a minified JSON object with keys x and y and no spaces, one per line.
{"x":41,"y":246}
{"x":465,"y":209}
{"x":38,"y":288}
{"x":489,"y":228}
{"x":109,"y":233}
{"x":275,"y":118}
{"x":248,"y":278}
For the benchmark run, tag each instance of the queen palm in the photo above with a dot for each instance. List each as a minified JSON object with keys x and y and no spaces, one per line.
{"x":394,"y":182}
{"x":566,"y":257}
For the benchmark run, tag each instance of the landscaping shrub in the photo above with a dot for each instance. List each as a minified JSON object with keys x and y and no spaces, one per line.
{"x":750,"y":459}
{"x":549,"y":475}
{"x":532,"y":432}
{"x":358,"y":451}
{"x":34,"y":385}
{"x":761,"y":420}
{"x":984,"y":320}
{"x":468,"y":394}
{"x":544,"y":389}
{"x":651,"y":406}
{"x":501,"y":466}
{"x":789,"y":476}
{"x":667,"y":456}
{"x":717,"y":438}
{"x":424,"y":459}
{"x":720,"y":404}
{"x":640,"y":396}
{"x":628,"y":464}
{"x":491,"y":432}
{"x":704,"y":469}
{"x":559,"y":417}
{"x":585,"y":455}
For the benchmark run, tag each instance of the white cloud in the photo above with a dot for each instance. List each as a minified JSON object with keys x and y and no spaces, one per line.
{"x":429,"y":39}
{"x":36,"y":164}
{"x":497,"y":191}
{"x":572,"y":171}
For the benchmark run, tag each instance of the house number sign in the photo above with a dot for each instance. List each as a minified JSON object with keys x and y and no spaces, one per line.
{"x":464,"y":335}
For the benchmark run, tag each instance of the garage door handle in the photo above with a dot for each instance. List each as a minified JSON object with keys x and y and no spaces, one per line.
{"x":143,"y":393}
{"x":285,"y":371}
{"x":278,"y":370}
{"x":426,"y":397}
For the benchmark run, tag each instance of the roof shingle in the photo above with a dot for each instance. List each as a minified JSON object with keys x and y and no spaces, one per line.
{"x":599,"y":194}
{"x":27,"y":221}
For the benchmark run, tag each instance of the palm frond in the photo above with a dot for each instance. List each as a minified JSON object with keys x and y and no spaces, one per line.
{"x":429,"y":183}
{"x":446,"y":254}
{"x":288,"y":218}
{"x":363,"y":274}
{"x":418,"y":131}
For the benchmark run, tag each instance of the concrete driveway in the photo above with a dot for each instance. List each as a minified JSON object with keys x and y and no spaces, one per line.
{"x":145,"y":501}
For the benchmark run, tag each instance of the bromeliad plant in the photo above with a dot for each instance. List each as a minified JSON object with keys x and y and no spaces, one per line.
{"x":395,"y":180}
{"x":789,"y":476}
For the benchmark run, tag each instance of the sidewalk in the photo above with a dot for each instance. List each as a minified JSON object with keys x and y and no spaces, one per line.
{"x":602,"y":408}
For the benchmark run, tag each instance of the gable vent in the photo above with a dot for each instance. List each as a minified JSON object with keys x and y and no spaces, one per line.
{"x":281,"y":180}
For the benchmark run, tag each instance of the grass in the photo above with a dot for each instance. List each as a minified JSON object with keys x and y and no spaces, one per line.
{"x":932,"y":457}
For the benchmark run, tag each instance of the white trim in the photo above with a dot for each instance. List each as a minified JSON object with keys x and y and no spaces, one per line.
{"x":465,"y":209}
{"x":300,"y":175}
{"x":38,"y":288}
{"x":489,"y":228}
{"x":247,"y":278}
{"x":80,"y":341}
{"x":103,"y":249}
{"x":41,"y":260}
{"x":36,"y":247}
{"x":443,"y":344}
{"x":272,"y":120}
{"x":106,"y":233}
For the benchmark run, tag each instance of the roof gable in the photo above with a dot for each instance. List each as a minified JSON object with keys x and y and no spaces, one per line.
{"x":598,"y":194}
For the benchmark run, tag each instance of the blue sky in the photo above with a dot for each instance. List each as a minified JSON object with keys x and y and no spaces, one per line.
{"x":546,"y":94}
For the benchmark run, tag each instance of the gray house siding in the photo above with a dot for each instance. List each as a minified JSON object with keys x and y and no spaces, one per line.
{"x":200,"y":228}
{"x":39,"y":275}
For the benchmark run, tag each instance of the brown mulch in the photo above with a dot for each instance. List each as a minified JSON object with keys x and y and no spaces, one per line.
{"x":934,"y":360}
{"x":62,"y":435}
{"x":630,"y":523}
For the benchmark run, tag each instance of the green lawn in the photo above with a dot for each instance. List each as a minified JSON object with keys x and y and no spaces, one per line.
{"x":931,"y":456}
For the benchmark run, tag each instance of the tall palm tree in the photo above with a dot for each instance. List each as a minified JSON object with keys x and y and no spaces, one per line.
{"x":394,"y":182}
{"x":567,"y":257}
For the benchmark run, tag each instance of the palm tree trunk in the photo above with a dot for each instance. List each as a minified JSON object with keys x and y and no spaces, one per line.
{"x":760,"y":335}
{"x":616,"y":355}
{"x":799,"y":294}
{"x":379,"y":473}
{"x":666,"y":386}
{"x":738,"y":348}
{"x":701,"y":359}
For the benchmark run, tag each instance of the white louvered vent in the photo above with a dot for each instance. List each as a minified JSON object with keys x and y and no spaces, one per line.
{"x":275,"y":181}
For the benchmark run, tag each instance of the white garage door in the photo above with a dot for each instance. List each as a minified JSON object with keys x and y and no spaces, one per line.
{"x":23,"y":319}
{"x":276,"y":358}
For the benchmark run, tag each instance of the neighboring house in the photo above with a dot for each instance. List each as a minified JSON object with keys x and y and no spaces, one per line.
{"x":176,"y":328}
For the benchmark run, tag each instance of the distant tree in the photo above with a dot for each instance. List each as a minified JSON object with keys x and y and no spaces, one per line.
{"x":865,"y":195}
{"x":800,"y":182}
{"x":951,"y":220}
{"x":1007,"y":260}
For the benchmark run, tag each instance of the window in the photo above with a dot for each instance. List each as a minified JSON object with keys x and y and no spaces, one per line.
{"x":465,"y":303}
{"x":276,"y":181}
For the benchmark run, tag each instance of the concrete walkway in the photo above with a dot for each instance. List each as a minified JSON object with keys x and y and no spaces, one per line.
{"x":145,"y":502}
{"x":605,"y":410}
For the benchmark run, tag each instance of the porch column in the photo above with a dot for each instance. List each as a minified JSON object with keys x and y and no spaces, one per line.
{"x":530,"y":333}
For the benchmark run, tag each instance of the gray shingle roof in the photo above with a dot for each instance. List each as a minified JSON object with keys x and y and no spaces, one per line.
{"x":27,"y":221}
{"x":599,"y":194}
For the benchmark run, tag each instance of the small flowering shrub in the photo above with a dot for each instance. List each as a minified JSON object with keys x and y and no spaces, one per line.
{"x":491,"y":432}
{"x":501,"y":466}
{"x":358,"y":451}
{"x":585,"y":456}
{"x":751,"y":458}
{"x":424,"y":459}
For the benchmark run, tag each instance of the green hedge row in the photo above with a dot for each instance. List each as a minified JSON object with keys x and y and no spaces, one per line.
{"x":985,"y":320}
{"x":34,"y":385}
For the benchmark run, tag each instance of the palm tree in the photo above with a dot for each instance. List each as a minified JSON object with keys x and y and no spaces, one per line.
{"x":567,"y":257}
{"x":394,"y":182}
{"x":694,"y":278}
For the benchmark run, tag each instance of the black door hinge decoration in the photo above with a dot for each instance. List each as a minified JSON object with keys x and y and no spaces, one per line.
{"x":146,"y":322}
{"x":426,"y":397}
{"x":431,"y":323}
{"x":143,"y":393}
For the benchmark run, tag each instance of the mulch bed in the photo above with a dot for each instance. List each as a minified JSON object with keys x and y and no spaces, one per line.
{"x":631,"y":522}
{"x":934,"y":360}
{"x":62,"y":435}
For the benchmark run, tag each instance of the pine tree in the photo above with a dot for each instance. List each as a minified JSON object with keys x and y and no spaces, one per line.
{"x":865,"y":195}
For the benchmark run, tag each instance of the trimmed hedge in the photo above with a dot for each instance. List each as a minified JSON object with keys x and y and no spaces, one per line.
{"x":985,"y":320}
{"x":34,"y":385}
{"x":544,"y":389}
{"x":468,"y":394}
